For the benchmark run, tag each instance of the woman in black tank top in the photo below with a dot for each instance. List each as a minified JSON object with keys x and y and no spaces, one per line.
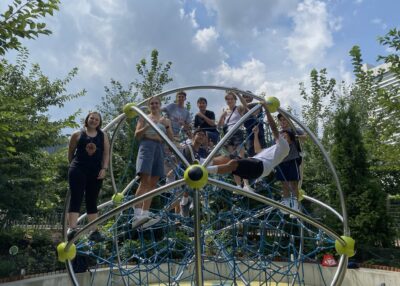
{"x":88,"y":155}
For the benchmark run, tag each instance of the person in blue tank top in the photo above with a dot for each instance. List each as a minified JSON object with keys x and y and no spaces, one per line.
{"x":88,"y":156}
{"x":150,"y":160}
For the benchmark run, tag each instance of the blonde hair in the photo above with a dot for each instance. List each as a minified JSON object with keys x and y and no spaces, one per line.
{"x":230,"y":93}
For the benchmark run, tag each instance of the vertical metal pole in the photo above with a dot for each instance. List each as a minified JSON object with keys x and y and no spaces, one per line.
{"x":197,"y":239}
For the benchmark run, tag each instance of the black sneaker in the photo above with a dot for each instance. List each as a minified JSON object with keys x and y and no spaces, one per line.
{"x":96,"y":236}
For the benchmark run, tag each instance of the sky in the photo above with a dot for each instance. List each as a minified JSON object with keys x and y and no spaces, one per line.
{"x":265,"y":46}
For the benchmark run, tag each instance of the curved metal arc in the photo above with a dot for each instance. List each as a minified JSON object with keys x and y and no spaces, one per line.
{"x":162,"y":135}
{"x":114,"y":185}
{"x":113,"y":122}
{"x":123,"y":207}
{"x":195,"y":87}
{"x":326,"y":206}
{"x":277,"y":205}
{"x":229,"y":134}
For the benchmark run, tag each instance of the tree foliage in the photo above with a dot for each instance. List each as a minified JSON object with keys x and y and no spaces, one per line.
{"x":153,"y":78}
{"x":392,"y":41}
{"x":366,"y":201}
{"x":22,"y":19}
{"x":357,"y":124}
{"x":317,"y":112}
{"x":29,"y":175}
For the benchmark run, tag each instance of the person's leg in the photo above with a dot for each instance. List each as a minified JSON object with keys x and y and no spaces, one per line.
{"x":220,"y":160}
{"x":142,"y":189}
{"x":250,"y":144}
{"x":286,"y":189}
{"x":152,"y":185}
{"x":228,"y":167}
{"x":91,"y":194}
{"x":77,"y":185}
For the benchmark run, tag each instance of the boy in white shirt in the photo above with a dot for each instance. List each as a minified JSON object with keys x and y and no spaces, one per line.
{"x":259,"y":165}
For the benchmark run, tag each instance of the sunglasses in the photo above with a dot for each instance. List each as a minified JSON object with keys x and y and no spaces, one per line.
{"x":154,"y":103}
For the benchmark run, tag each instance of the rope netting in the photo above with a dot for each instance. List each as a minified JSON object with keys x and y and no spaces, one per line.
{"x":243,"y":240}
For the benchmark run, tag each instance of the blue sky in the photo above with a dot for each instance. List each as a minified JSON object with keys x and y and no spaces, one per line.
{"x":257,"y":45}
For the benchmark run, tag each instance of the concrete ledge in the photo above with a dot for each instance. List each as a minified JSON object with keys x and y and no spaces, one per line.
{"x":312,"y":277}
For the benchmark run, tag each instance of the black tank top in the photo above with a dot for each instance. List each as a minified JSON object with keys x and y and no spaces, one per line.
{"x":89,"y":152}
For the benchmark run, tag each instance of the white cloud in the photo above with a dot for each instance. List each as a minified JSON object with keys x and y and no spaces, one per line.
{"x":250,"y":75}
{"x":345,"y":75}
{"x":191,"y":16}
{"x":239,"y":19}
{"x":379,"y":22}
{"x":312,"y":33}
{"x":205,"y":38}
{"x":90,"y":58}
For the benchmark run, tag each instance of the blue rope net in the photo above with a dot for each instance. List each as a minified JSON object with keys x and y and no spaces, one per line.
{"x":242,"y":240}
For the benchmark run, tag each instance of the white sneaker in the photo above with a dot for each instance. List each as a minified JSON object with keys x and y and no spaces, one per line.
{"x":248,"y":188}
{"x":295,"y":205}
{"x":152,"y":219}
{"x":286,"y":203}
{"x":139,"y":220}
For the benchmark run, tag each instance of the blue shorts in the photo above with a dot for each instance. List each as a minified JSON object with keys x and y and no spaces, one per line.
{"x":150,"y":158}
{"x":288,"y":171}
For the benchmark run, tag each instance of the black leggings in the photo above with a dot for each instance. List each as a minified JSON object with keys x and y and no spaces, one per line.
{"x":82,"y":183}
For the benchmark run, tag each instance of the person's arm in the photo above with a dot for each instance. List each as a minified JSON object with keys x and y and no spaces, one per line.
{"x":168,"y":127}
{"x":300,"y":135}
{"x":257,"y":145}
{"x":242,"y":108}
{"x":73,"y":144}
{"x":221,"y":120}
{"x":141,"y":127}
{"x":210,"y":121}
{"x":271,"y":121}
{"x":106,"y":157}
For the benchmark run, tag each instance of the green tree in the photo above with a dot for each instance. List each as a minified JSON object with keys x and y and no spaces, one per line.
{"x":392,"y":41}
{"x":317,"y":112}
{"x":366,"y":201}
{"x":28,"y":173}
{"x":379,"y":112}
{"x":153,"y":78}
{"x":22,"y":20}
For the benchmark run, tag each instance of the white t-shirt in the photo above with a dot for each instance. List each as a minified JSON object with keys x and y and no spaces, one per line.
{"x":273,"y":156}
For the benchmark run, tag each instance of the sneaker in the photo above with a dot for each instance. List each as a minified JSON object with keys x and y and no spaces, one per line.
{"x":96,"y":236}
{"x":71,"y":232}
{"x":139,"y":220}
{"x":295,"y":207}
{"x":151,"y":221}
{"x":248,"y":188}
{"x":286,"y":203}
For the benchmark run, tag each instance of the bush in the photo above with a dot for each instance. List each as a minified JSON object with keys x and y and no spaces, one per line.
{"x":36,"y":252}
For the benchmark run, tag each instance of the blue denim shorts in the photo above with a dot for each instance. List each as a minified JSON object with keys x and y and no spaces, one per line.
{"x":150,"y":158}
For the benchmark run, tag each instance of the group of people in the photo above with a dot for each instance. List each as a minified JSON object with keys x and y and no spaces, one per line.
{"x":248,"y":158}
